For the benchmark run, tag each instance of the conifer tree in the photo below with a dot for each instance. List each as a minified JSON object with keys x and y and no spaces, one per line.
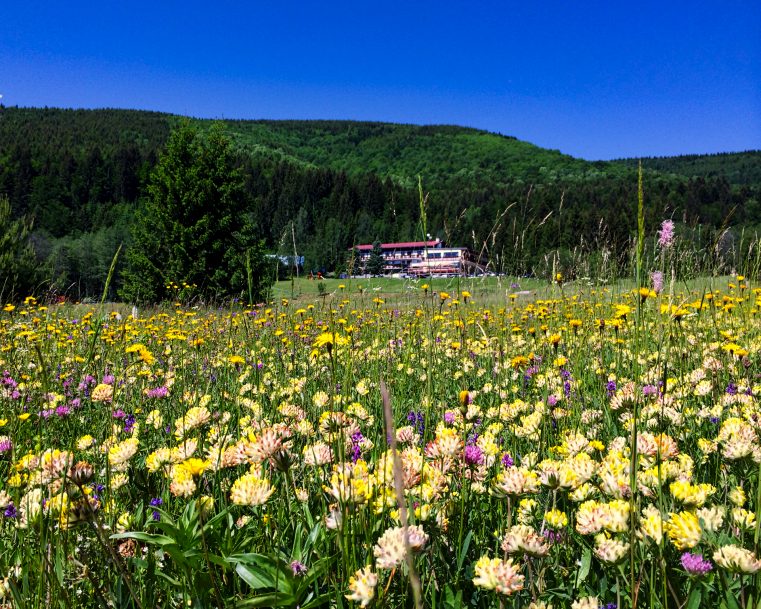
{"x":196,"y":226}
{"x":375,"y":262}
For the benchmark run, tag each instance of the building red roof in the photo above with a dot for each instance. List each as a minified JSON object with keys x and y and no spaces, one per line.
{"x":402,"y":245}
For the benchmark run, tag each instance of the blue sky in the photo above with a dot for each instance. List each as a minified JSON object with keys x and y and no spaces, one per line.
{"x":593,"y":79}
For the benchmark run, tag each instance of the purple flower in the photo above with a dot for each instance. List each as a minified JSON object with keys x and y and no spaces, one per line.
{"x":119,"y":414}
{"x":666,"y":234}
{"x":553,"y":536}
{"x":10,"y":511}
{"x":732,"y":389}
{"x":649,"y":390}
{"x":6,"y":445}
{"x":695,"y":564}
{"x":473,"y":455}
{"x":356,"y":446}
{"x":552,"y":400}
{"x":158,"y":392}
{"x":611,"y":388}
{"x":156,"y":501}
{"x":108,"y":379}
{"x":657,"y":278}
{"x":298,"y":568}
{"x":448,"y":418}
{"x":507,"y":460}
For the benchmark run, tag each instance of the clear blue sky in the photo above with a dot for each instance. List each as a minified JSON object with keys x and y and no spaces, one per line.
{"x":593,"y":79}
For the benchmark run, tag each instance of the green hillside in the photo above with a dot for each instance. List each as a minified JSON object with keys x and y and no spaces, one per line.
{"x":742,"y":168}
{"x":443,"y":154}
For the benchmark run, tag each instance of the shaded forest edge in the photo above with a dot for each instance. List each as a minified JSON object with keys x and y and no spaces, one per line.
{"x":319,"y":187}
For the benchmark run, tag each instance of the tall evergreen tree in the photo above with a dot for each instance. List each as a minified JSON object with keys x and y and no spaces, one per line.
{"x":194,"y":226}
{"x":375,"y":262}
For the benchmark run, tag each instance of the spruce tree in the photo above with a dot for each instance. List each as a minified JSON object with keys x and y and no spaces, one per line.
{"x":195,"y":226}
{"x":375,"y":262}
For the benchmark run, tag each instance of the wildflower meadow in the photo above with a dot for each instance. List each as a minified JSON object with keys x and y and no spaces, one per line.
{"x":575,"y":447}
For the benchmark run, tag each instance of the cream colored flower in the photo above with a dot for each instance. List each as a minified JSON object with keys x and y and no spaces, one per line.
{"x":120,"y":454}
{"x":102,"y":393}
{"x":391,"y":550}
{"x":712,"y":518}
{"x":586,"y":602}
{"x":609,"y":549}
{"x":736,"y":559}
{"x":250,"y":489}
{"x":522,"y":539}
{"x":499,"y":575}
{"x":362,"y":586}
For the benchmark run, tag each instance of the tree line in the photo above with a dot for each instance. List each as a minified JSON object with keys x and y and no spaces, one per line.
{"x":82,"y":183}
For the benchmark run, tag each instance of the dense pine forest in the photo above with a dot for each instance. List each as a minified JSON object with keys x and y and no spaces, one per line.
{"x":319,"y":187}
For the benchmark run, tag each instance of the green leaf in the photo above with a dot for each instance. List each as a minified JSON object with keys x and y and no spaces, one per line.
{"x":318,"y":602}
{"x":273,"y":599}
{"x":256,"y":579}
{"x":464,"y":550}
{"x":159,"y":540}
{"x":452,"y":600}
{"x":586,"y":563}
{"x":693,"y":602}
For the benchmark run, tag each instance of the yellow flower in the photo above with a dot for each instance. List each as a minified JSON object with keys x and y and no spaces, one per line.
{"x":328,"y":339}
{"x":103,"y":393}
{"x":196,"y":467}
{"x":691,"y":494}
{"x":24,"y":416}
{"x":737,"y":496}
{"x":556,"y":519}
{"x":85,"y":442}
{"x":236,"y":360}
{"x":362,"y":586}
{"x":250,"y":489}
{"x":503,"y":577}
{"x":3,"y":422}
{"x":684,"y":530}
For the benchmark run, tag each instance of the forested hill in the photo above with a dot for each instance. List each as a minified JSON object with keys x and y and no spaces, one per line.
{"x":81,"y":175}
{"x":736,"y":167}
{"x":443,"y":154}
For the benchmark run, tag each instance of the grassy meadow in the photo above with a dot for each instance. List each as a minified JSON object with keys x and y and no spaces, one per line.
{"x":386,"y":443}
